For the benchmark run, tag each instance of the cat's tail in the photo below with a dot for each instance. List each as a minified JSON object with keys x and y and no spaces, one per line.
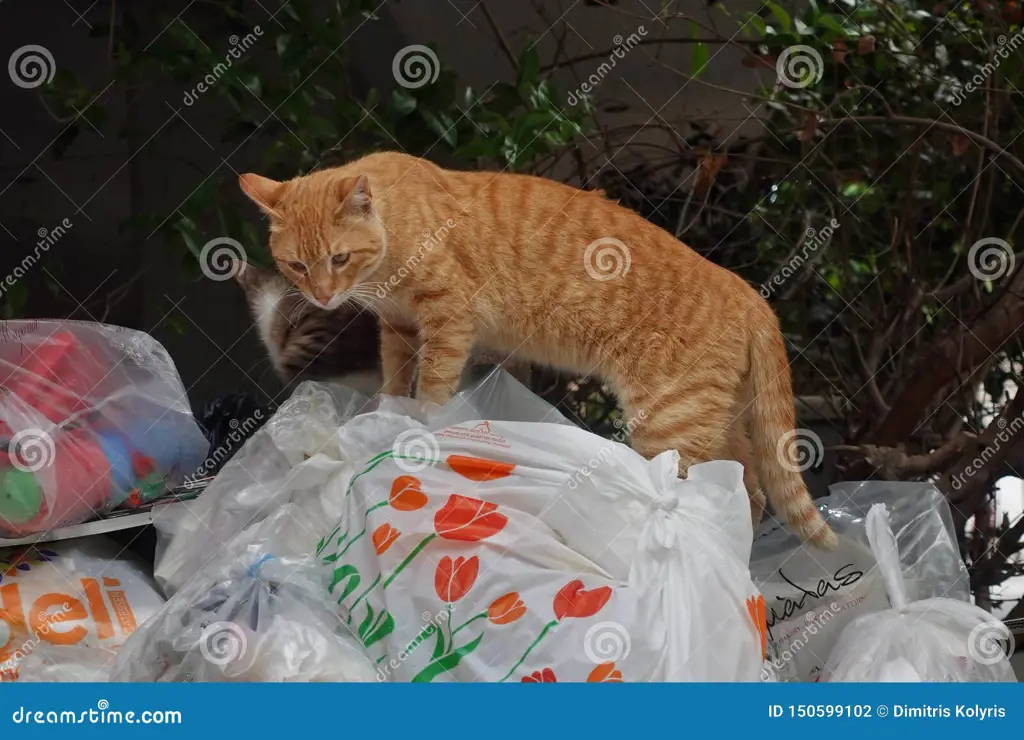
{"x":778,"y":450}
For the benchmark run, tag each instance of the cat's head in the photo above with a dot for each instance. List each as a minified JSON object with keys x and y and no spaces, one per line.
{"x":325,"y":234}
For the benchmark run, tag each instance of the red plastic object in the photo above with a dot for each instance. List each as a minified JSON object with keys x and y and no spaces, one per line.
{"x":54,"y":377}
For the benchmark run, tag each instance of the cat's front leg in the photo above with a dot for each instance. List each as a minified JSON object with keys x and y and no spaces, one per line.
{"x":398,"y":347}
{"x":446,"y":339}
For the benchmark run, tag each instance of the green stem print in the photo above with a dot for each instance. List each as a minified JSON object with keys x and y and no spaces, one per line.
{"x":409,"y":558}
{"x":547,"y":628}
{"x":481,"y":615}
{"x":363,"y":595}
{"x":446,"y":662}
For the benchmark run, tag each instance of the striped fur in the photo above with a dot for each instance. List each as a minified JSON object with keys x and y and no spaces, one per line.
{"x":557,"y":276}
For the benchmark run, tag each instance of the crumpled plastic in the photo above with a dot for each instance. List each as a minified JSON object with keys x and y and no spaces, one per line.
{"x":92,"y":417}
{"x":931,"y":640}
{"x":582,"y":561}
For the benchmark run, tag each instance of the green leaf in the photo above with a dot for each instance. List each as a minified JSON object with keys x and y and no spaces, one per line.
{"x":439,"y":646}
{"x":382,"y":629}
{"x":442,"y":125}
{"x":282,"y":43}
{"x":529,"y":65}
{"x":345,"y":572}
{"x":700,"y":54}
{"x":364,"y":626}
{"x":830,"y":23}
{"x":758,"y":23}
{"x":781,"y":16}
{"x":446,"y":663}
{"x":402,"y":101}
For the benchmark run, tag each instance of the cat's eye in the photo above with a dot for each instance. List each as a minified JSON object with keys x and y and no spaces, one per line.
{"x":340,"y":260}
{"x":298,"y":267}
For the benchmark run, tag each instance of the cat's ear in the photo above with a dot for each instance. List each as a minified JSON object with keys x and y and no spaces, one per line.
{"x":355,"y":196}
{"x":263,"y":191}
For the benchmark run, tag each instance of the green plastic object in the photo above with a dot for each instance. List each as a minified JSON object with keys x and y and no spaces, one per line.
{"x":21,"y":498}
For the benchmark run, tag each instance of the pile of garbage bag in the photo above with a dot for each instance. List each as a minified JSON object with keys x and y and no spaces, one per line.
{"x":489,"y":539}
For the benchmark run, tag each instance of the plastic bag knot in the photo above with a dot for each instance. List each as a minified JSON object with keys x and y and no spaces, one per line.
{"x":664,"y":502}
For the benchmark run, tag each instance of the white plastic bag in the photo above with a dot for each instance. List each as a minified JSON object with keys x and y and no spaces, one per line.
{"x":811,"y":595}
{"x":66,"y":607}
{"x":257,"y":612}
{"x":516,"y":551}
{"x":91,"y":417}
{"x":931,"y":640}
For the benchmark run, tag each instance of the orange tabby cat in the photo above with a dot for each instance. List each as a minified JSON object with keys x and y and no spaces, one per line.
{"x":559,"y":276}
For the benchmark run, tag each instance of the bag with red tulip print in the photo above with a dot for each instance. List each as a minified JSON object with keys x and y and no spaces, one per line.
{"x":502,"y":551}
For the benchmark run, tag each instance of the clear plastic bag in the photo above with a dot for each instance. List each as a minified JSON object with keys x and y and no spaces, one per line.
{"x":91,"y":417}
{"x":258,"y":612}
{"x":932,"y":640}
{"x":811,"y":595}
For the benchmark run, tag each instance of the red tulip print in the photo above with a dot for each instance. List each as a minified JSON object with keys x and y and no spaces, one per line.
{"x":468,"y":519}
{"x":454,"y":578}
{"x":384,"y":537}
{"x":407,"y":494}
{"x":545,"y":676}
{"x":506,"y":609}
{"x":574,"y":601}
{"x":571,"y":602}
{"x":479,"y":469}
{"x":758,"y":615}
{"x":605,"y":673}
{"x":462,"y":519}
